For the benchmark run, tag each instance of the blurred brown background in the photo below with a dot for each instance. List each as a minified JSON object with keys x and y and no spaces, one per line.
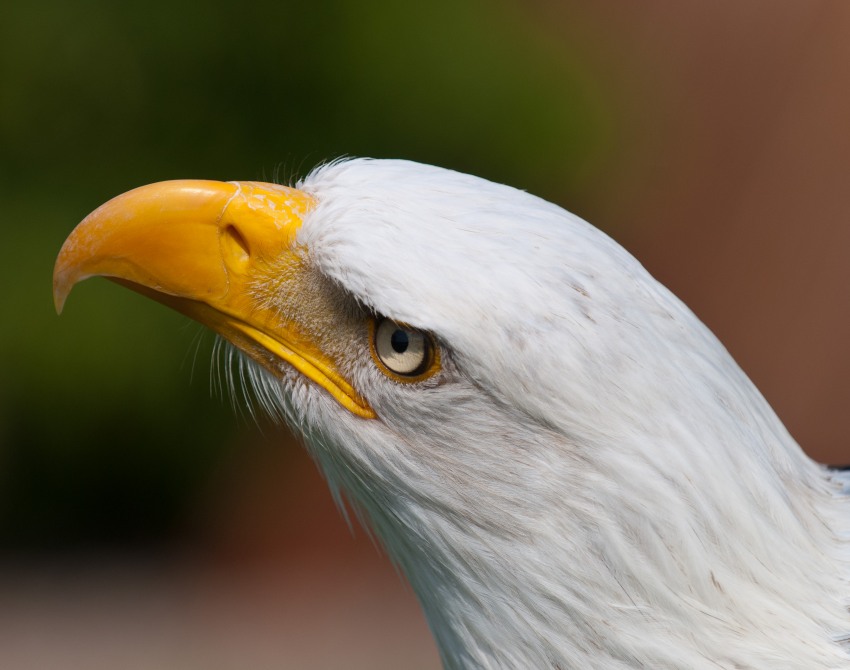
{"x":143,"y":523}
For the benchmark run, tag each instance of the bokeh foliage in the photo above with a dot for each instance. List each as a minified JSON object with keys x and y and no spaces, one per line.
{"x":105,"y":431}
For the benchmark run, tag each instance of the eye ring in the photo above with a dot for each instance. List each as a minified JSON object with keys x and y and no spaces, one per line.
{"x":402,"y":353}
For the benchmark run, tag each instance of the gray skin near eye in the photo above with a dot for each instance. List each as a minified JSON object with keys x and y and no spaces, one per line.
{"x":402,"y":350}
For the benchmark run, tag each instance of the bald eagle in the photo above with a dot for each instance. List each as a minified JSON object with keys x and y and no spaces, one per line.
{"x":566,"y":464}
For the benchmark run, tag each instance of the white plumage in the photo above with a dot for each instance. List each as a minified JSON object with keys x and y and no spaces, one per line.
{"x":589,"y":480}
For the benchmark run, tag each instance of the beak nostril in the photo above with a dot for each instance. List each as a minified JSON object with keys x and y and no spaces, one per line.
{"x":236,"y":244}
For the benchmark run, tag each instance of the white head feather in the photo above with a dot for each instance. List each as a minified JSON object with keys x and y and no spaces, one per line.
{"x":590,"y":481}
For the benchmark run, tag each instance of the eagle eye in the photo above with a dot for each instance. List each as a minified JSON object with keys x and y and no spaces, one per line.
{"x":401,"y":352}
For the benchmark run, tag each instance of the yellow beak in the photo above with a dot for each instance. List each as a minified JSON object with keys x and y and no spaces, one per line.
{"x":198,"y":247}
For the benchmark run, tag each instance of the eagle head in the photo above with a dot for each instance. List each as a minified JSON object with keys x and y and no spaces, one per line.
{"x":567,"y":465}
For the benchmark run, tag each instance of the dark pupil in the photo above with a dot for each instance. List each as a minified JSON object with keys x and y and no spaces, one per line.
{"x":400,"y":341}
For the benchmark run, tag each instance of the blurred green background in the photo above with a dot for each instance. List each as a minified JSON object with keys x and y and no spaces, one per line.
{"x":146,"y":524}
